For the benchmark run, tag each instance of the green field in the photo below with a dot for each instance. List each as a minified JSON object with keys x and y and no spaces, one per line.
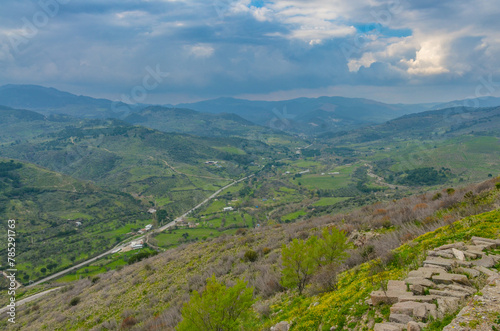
{"x":327,"y":182}
{"x":328,"y":201}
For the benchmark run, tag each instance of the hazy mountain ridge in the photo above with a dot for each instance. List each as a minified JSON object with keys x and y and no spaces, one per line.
{"x":431,"y":124}
{"x":197,"y":123}
{"x":310,"y":115}
{"x":302,"y":115}
{"x":48,"y":100}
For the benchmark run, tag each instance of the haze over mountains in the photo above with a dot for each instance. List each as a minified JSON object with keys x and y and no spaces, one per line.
{"x":302,"y":115}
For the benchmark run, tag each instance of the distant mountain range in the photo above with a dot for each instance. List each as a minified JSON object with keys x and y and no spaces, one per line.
{"x":310,"y":116}
{"x":198,"y":123}
{"x":433,"y":124}
{"x":474,"y":102}
{"x":47,"y":100}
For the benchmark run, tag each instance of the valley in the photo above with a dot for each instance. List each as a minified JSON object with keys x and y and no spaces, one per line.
{"x":221,"y":193}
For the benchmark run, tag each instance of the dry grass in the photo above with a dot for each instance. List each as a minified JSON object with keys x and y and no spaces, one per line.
{"x":149,"y":294}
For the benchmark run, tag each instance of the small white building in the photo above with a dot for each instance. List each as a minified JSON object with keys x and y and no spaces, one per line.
{"x":228,"y":209}
{"x":152,"y":210}
{"x":148,"y":227}
{"x":137,"y":244}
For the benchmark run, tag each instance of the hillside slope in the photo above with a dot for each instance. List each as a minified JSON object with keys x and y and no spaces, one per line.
{"x":168,"y":167}
{"x":149,"y":294}
{"x":203,"y":124}
{"x":47,"y":207}
{"x":48,"y":101}
{"x":309,"y":115}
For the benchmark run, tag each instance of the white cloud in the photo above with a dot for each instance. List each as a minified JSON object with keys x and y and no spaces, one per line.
{"x":429,"y":60}
{"x":201,"y":50}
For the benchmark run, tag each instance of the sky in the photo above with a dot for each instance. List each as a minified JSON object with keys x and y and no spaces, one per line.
{"x":172,"y":51}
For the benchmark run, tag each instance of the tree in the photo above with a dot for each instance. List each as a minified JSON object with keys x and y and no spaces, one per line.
{"x":299,"y":263}
{"x":218,"y":308}
{"x":302,"y":259}
{"x":331,"y":248}
{"x":161,"y":216}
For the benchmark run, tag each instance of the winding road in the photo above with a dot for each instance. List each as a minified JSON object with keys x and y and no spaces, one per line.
{"x":119,"y":246}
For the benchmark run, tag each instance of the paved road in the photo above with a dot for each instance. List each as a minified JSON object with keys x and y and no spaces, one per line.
{"x":29,"y":299}
{"x":123,"y":245}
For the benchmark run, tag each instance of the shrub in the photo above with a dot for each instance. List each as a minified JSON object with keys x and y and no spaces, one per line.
{"x":437,"y":196}
{"x":241,"y":232}
{"x":74,"y":301}
{"x":128,"y":322}
{"x":218,"y":307}
{"x":251,"y":256}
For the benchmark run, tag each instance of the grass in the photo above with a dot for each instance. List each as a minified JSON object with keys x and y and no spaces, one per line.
{"x":293,"y":216}
{"x":355,"y":285}
{"x":327,"y":182}
{"x":328,"y":201}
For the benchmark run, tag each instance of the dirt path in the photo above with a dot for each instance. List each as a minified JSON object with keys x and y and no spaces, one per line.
{"x":29,"y":299}
{"x":380,"y":180}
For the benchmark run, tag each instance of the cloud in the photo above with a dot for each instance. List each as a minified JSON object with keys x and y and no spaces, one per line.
{"x":244,"y":47}
{"x":201,"y":50}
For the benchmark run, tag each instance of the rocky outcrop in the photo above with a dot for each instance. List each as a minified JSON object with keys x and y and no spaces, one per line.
{"x":281,"y":326}
{"x":445,"y":279}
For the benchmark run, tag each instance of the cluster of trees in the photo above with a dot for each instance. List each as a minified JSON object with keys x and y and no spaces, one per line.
{"x":422,"y":176}
{"x":303,"y":259}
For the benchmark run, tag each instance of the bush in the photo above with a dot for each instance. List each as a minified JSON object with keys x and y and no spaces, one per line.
{"x":218,"y":307}
{"x":437,"y":196}
{"x":497,"y":185}
{"x":128,"y":322}
{"x":251,"y":256}
{"x":74,"y":301}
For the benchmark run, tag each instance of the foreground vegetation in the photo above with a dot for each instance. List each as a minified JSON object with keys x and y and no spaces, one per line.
{"x":150,"y":294}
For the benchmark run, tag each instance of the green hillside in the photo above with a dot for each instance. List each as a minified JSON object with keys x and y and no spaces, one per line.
{"x":150,"y":294}
{"x":203,"y":124}
{"x":165,"y":168}
{"x":47,"y":206}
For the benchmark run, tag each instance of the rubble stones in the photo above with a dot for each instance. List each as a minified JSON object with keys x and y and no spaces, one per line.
{"x":414,"y":305}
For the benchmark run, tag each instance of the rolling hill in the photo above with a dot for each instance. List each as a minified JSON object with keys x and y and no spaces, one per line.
{"x":308,"y":115}
{"x":435,"y":124}
{"x":169,"y":168}
{"x":203,"y":124}
{"x":52,"y":101}
{"x":47,"y":206}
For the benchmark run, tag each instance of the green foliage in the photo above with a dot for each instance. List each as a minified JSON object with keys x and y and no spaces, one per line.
{"x":251,"y":256}
{"x":74,"y":301}
{"x":301,"y":259}
{"x":331,"y":248}
{"x":141,"y":256}
{"x":218,"y":308}
{"x":423,"y":176}
{"x":299,"y":264}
